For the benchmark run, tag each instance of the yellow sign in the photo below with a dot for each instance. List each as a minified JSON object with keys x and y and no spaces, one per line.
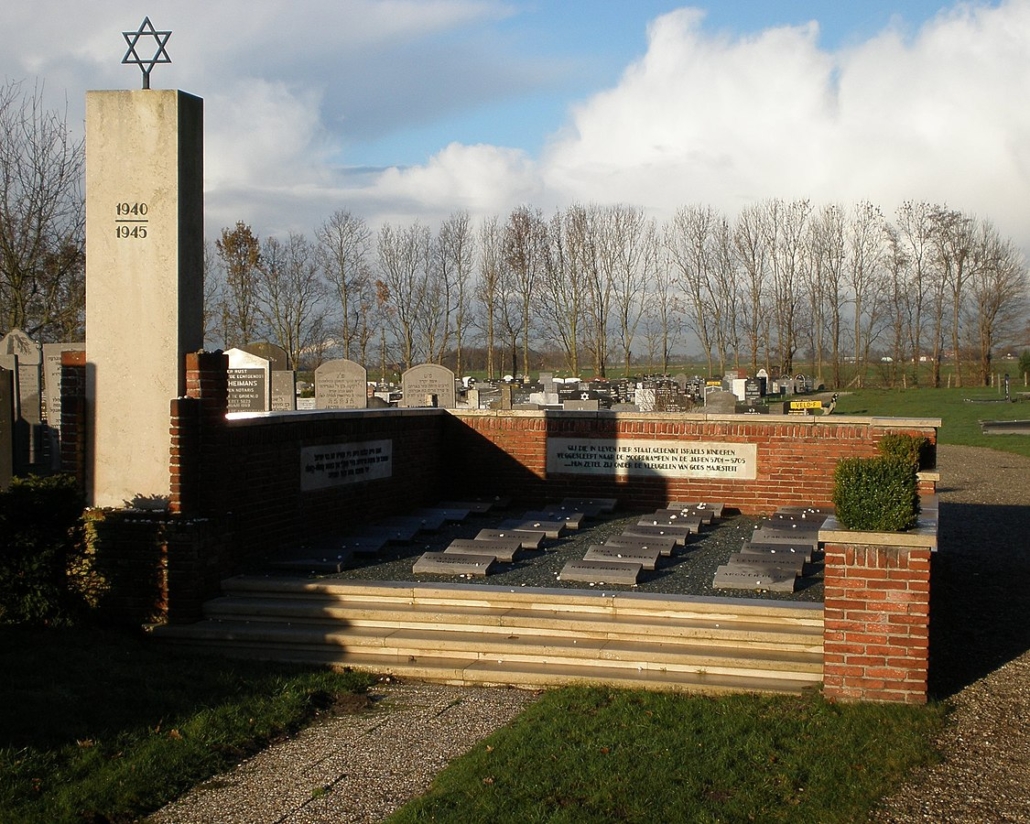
{"x":806,"y":404}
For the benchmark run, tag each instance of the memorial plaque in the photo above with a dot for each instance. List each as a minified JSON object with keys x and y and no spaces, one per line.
{"x":599,"y":505}
{"x":645,"y":556}
{"x":428,"y":381}
{"x":30,"y":360}
{"x":678,"y":533}
{"x":529,"y":540}
{"x":651,"y":458}
{"x":443,"y":563}
{"x":339,"y":464}
{"x":755,"y":548}
{"x":368,"y":544}
{"x":706,"y":510}
{"x":425,"y":523}
{"x":469,"y":507}
{"x":341,"y":384}
{"x":52,"y":379}
{"x":783,"y":537}
{"x":248,"y":382}
{"x":284,"y":391}
{"x":573,"y":520}
{"x":601,"y":572}
{"x":454,"y":514}
{"x":551,"y":529}
{"x":771,"y":580}
{"x":664,"y":544}
{"x":780,"y":560}
{"x":504,"y":550}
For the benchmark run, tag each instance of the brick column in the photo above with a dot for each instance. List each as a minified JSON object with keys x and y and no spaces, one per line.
{"x":201,"y":412}
{"x":73,"y":415}
{"x":877,"y":615}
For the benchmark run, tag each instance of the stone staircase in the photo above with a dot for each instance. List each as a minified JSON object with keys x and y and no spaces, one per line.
{"x":527,"y":637}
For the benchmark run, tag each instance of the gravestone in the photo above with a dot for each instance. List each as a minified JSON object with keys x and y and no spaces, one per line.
{"x":428,"y":385}
{"x":52,"y":394}
{"x":6,"y":428}
{"x":284,"y":391}
{"x":663,"y":544}
{"x":718,"y":402}
{"x":601,"y":572}
{"x":772,"y":579}
{"x":341,"y":384}
{"x":144,"y":283}
{"x":276,"y":356}
{"x":528,"y":540}
{"x":502,"y":550}
{"x":30,"y":395}
{"x":678,"y":533}
{"x":647,"y":557}
{"x":249,"y":382}
{"x":444,"y":563}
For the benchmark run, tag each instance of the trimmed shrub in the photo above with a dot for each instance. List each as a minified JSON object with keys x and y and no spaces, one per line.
{"x":876,"y":494}
{"x":39,"y":537}
{"x":915,"y":449}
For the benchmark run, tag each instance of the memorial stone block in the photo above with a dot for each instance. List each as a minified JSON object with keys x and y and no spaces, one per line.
{"x":428,"y":381}
{"x":678,"y":533}
{"x":647,"y":557}
{"x":284,"y":391}
{"x":6,"y":428}
{"x":249,"y":382}
{"x":601,"y":572}
{"x":444,"y":563}
{"x":770,"y":580}
{"x":718,"y":402}
{"x":551,"y":529}
{"x":29,"y":387}
{"x":504,"y":549}
{"x":663,"y":544}
{"x":341,"y":384}
{"x":780,"y":560}
{"x":529,"y":540}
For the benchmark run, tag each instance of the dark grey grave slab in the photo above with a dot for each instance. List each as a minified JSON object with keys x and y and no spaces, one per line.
{"x":679,"y":532}
{"x":647,"y":558}
{"x":692,"y":524}
{"x":676,"y":516}
{"x":805,"y":510}
{"x":551,"y":529}
{"x":472,"y":507}
{"x":276,"y":356}
{"x":420,"y":523}
{"x":707,"y":510}
{"x":395,"y":534}
{"x":504,"y":549}
{"x":529,"y":540}
{"x":442,"y":563}
{"x":363,"y":544}
{"x":782,"y":525}
{"x":573,"y":520}
{"x":607,"y":505}
{"x":562,"y":509}
{"x":601,"y":572}
{"x":801,"y":519}
{"x":753,"y":547}
{"x":751,"y":578}
{"x":782,"y":560}
{"x":779,"y":536}
{"x":451,"y":514}
{"x":665,"y":545}
{"x":322,"y":566}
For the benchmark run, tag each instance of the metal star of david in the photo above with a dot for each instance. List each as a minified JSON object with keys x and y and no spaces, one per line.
{"x":146,"y":29}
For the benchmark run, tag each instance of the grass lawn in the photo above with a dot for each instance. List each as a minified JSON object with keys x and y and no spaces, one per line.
{"x":960,"y":410}
{"x":101,"y":726}
{"x":588,"y":755}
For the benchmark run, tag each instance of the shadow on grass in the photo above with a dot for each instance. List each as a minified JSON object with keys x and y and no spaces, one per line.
{"x":980,"y":581}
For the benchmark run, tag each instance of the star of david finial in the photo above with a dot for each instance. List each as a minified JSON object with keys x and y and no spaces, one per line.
{"x":132,"y":38}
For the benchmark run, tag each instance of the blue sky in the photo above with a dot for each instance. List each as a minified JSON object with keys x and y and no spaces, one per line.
{"x":402,"y":110}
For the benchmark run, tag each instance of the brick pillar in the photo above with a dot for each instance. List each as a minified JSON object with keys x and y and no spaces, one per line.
{"x":202,"y":412}
{"x":876,"y":620}
{"x":73,"y":415}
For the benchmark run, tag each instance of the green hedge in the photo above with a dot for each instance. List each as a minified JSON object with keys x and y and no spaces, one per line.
{"x":39,"y":537}
{"x":915,"y":449}
{"x":876,"y":494}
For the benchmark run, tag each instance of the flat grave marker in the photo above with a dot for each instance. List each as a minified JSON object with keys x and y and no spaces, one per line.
{"x":364,"y":544}
{"x":647,"y":558}
{"x":528,"y":539}
{"x":664,"y":545}
{"x":573,"y":520}
{"x":421,"y":523}
{"x":451,"y":514}
{"x":605,"y":505}
{"x":706,"y":510}
{"x":394,"y":534}
{"x":601,"y":572}
{"x":678,"y":532}
{"x":442,"y":563}
{"x":732,"y":577}
{"x":472,"y":507}
{"x":789,"y":538}
{"x":783,"y":560}
{"x":692,"y":524}
{"x":756,"y":548}
{"x":551,"y":529}
{"x":504,"y":549}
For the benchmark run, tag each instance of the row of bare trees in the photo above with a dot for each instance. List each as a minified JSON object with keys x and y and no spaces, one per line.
{"x":602,"y":286}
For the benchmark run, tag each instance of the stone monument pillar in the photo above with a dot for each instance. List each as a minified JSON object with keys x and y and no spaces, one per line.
{"x":144,"y":283}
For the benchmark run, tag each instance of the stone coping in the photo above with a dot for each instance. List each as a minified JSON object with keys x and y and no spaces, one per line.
{"x":923,"y":536}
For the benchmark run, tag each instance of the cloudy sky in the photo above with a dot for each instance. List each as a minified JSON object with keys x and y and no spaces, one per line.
{"x":411,"y":109}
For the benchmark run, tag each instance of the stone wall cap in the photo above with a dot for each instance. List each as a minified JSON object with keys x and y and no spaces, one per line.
{"x":923,"y":536}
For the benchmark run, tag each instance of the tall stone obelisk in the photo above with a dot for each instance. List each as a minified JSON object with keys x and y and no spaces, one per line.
{"x":144,"y":283}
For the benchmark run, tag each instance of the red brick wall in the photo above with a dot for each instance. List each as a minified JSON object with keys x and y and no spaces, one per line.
{"x":876,"y":622}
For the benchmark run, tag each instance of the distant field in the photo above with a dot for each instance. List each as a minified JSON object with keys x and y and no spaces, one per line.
{"x":960,"y":411}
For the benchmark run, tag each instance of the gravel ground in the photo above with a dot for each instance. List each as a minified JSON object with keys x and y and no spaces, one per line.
{"x":359,"y":768}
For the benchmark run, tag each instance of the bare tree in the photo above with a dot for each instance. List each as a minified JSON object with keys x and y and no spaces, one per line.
{"x":752,"y":253}
{"x":240,"y":252}
{"x":690,"y":240}
{"x":563,"y":287}
{"x":42,"y":219}
{"x":455,"y":249}
{"x":491,"y":276}
{"x":787,"y":227}
{"x":525,"y":251}
{"x":953,"y":239}
{"x":865,"y":279}
{"x":403,"y":269}
{"x":915,"y":236}
{"x":292,"y":296}
{"x":344,"y":254}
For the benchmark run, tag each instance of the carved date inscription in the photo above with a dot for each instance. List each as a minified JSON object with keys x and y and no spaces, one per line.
{"x":131,"y":220}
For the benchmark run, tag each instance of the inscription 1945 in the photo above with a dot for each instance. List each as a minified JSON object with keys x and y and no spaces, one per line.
{"x":131,"y":220}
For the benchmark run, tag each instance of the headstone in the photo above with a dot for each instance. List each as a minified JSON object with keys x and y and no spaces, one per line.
{"x":276,"y":356}
{"x":551,"y":529}
{"x":601,"y":572}
{"x":677,"y":533}
{"x":428,"y":381}
{"x":645,"y":399}
{"x":753,"y":547}
{"x":444,"y":563}
{"x":341,"y":384}
{"x":718,"y":402}
{"x":249,"y":382}
{"x":6,"y":428}
{"x":144,"y":282}
{"x":573,"y":520}
{"x":581,"y":405}
{"x":472,"y":398}
{"x":781,"y":560}
{"x":529,"y":540}
{"x":503,"y":550}
{"x":30,"y":395}
{"x":52,"y":394}
{"x":664,"y":544}
{"x":284,"y":391}
{"x":647,"y":557}
{"x":753,"y":578}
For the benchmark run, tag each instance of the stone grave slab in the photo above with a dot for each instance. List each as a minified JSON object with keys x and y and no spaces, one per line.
{"x":504,"y":549}
{"x":606,"y":505}
{"x":249,"y":382}
{"x":782,"y":560}
{"x":752,"y":578}
{"x":601,"y":572}
{"x":809,"y":540}
{"x":551,"y":529}
{"x":528,"y":539}
{"x":363,"y":544}
{"x":692,"y":524}
{"x":428,"y":384}
{"x":755,"y":548}
{"x":450,"y":514}
{"x":688,"y":516}
{"x":420,"y":523}
{"x":395,"y":534}
{"x":573,"y":520}
{"x":284,"y":391}
{"x":665,"y":545}
{"x":316,"y":564}
{"x":797,"y":510}
{"x":783,"y":525}
{"x":442,"y":563}
{"x":707,"y":510}
{"x":472,"y":507}
{"x":646,"y":557}
{"x":678,"y":532}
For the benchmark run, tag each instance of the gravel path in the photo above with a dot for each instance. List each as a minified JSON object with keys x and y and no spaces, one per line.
{"x":360,"y":767}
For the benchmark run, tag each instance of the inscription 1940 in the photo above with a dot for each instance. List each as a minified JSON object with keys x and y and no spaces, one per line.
{"x":131,"y":220}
